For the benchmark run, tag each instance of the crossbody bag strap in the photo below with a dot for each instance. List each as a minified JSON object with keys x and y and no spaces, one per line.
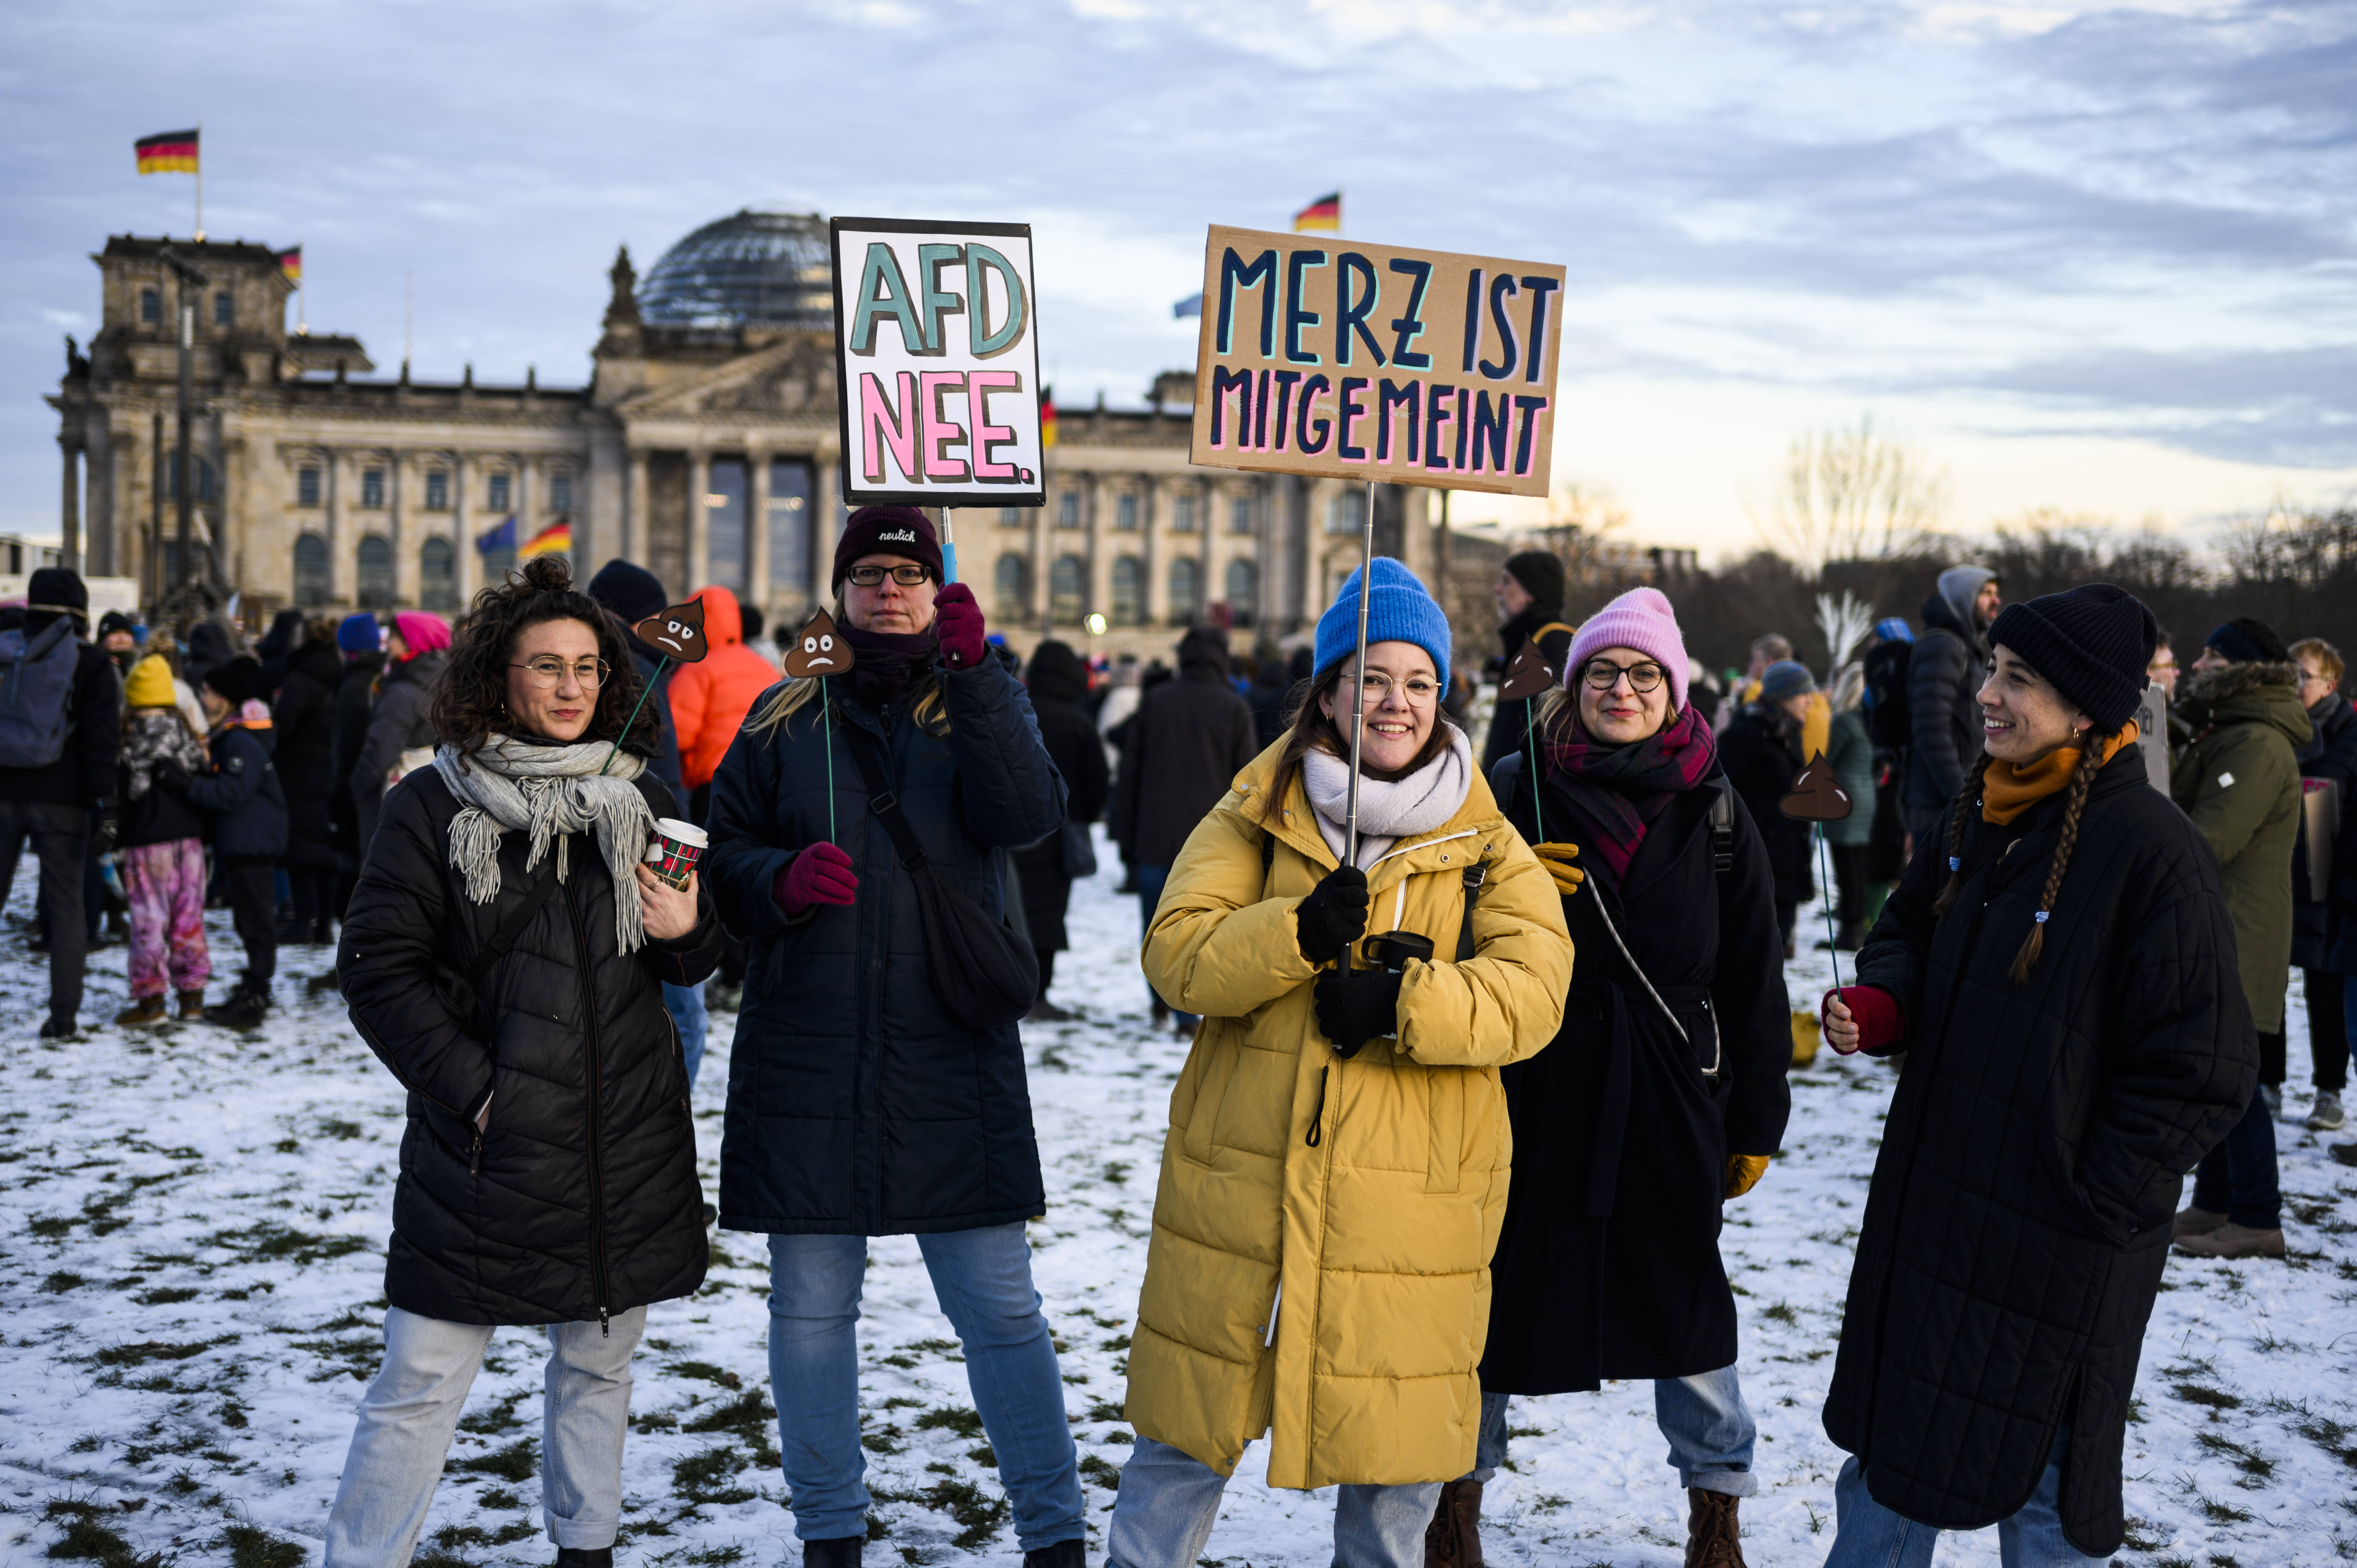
{"x":1474,"y":875}
{"x":881,"y":798}
{"x":510,"y":931}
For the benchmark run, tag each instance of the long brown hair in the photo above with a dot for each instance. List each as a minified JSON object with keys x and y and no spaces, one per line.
{"x":2092,"y":755}
{"x":1308,"y":729}
{"x":470,"y":699}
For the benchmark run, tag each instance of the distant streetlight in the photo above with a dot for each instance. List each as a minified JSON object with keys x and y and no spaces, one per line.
{"x":1096,"y":624}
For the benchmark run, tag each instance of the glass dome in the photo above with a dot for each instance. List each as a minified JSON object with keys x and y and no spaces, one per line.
{"x":765,"y":269}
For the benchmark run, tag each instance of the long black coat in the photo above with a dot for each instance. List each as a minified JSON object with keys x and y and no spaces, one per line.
{"x":305,"y":718}
{"x":1183,"y":748}
{"x":1055,"y":687}
{"x":2319,"y":928}
{"x":856,"y":1105}
{"x":581,"y":1196}
{"x":355,"y":696}
{"x":1608,"y":1265}
{"x":1762,"y":756}
{"x":2033,"y":1155}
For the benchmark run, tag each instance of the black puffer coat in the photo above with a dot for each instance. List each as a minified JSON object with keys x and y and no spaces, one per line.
{"x":400,"y":719}
{"x":2033,"y":1155}
{"x":581,"y":1196}
{"x":1608,"y":1265}
{"x":355,"y":698}
{"x":856,"y":1105}
{"x":244,"y":806}
{"x":2318,"y":928}
{"x":1761,"y":754}
{"x":1058,"y":683}
{"x":305,"y":717}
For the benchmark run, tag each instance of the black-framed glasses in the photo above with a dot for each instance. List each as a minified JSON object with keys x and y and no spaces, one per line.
{"x":1602,"y":675}
{"x":872,"y":577}
{"x":547,"y":671}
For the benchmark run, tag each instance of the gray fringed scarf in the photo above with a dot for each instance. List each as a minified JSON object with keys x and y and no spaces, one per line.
{"x":550,"y":792}
{"x":1389,"y":810}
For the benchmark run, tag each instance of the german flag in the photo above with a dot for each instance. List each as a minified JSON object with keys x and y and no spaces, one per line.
{"x":1047,"y":418}
{"x":556,"y":539}
{"x":174,"y":151}
{"x":291,"y":264}
{"x":1325,"y":212}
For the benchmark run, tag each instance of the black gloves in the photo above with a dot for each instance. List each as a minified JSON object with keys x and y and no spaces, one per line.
{"x":1355,"y":1006}
{"x":171,"y":777}
{"x":1333,"y":915}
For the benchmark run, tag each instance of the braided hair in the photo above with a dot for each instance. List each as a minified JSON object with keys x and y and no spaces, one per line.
{"x":2093,"y":748}
{"x":1960,"y":812}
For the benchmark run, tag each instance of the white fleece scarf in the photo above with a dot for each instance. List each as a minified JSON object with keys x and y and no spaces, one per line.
{"x":550,"y":792}
{"x":1388,"y":811}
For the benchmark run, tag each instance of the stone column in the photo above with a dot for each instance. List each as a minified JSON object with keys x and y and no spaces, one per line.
{"x":1096,"y":556}
{"x":342,"y":563}
{"x":405,"y":558}
{"x":1157,"y":610}
{"x":634,"y":517}
{"x":467,"y":562}
{"x":69,"y":507}
{"x":699,"y":519}
{"x":756,"y":523}
{"x":1043,"y":561}
{"x":826,"y":527}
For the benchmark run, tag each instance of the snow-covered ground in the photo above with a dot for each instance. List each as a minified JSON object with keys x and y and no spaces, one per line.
{"x":192,"y":1223}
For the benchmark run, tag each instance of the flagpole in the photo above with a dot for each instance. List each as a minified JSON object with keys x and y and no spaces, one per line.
{"x":200,"y":185}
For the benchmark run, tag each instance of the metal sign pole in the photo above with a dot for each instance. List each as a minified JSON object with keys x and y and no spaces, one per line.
{"x":1359,"y":678}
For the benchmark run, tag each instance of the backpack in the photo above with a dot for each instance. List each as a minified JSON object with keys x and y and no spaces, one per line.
{"x":1887,"y":720}
{"x":36,"y":679}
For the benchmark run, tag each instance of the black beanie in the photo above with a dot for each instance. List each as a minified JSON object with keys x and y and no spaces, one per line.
{"x":2246,"y":639}
{"x":1540,"y":574}
{"x":58,"y":589}
{"x":628,"y":589}
{"x":236,"y":681}
{"x":885,"y":531}
{"x":2093,"y":642}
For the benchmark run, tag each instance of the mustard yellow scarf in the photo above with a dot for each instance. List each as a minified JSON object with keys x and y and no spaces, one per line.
{"x":2007,"y":791}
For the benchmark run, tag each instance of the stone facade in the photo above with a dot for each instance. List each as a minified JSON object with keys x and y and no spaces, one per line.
{"x":708,"y":453}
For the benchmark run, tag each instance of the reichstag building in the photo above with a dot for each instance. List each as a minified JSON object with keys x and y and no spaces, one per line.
{"x":705,"y":446}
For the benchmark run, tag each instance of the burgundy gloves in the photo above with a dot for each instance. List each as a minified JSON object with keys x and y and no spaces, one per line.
{"x":1875,"y":1011}
{"x":819,"y":875}
{"x":959,"y":620}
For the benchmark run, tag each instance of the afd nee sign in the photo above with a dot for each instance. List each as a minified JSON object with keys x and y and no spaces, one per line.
{"x":1329,"y":358}
{"x":937,"y":357}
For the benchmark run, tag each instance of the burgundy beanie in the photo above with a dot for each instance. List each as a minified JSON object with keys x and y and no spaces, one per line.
{"x":885,"y":531}
{"x":1642,"y":619}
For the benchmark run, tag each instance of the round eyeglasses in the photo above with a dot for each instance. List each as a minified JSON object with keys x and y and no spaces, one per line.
{"x":1602,"y":675}
{"x":548,"y":673}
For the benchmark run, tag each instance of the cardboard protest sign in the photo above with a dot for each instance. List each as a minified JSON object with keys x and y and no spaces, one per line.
{"x":1335,"y":359}
{"x":937,"y":361}
{"x":677,"y":633}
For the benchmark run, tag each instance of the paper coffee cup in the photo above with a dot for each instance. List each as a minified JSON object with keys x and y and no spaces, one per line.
{"x":677,"y":847}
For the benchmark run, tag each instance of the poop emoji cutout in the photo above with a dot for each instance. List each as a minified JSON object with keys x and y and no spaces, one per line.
{"x":817,"y":651}
{"x":677,"y":634}
{"x":1815,"y":798}
{"x":1527,"y":674}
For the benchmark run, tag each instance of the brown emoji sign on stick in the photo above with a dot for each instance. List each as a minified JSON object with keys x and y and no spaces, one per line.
{"x":677,"y":634}
{"x":817,"y":651}
{"x":1528,"y":674}
{"x":1815,"y":798}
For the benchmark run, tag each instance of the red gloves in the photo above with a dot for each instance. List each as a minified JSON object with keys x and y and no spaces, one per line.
{"x":1876,"y":1012}
{"x":959,"y":622}
{"x":819,"y":875}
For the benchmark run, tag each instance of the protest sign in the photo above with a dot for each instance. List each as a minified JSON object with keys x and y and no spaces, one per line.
{"x":1335,"y":359}
{"x":937,"y":360}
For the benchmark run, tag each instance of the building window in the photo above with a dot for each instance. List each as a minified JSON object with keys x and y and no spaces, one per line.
{"x":306,"y":485}
{"x":437,"y":575}
{"x":437,"y":489}
{"x":1068,"y":509}
{"x":1010,"y":517}
{"x":1240,"y":516}
{"x":1010,"y":588}
{"x":151,"y":307}
{"x":314,"y":585}
{"x":789,"y":531}
{"x":1186,"y":590}
{"x":372,"y":487}
{"x":728,"y":501}
{"x":1182,"y":514}
{"x":208,"y":482}
{"x":1346,"y":509}
{"x":224,"y":309}
{"x":503,"y":496}
{"x":1068,"y":598}
{"x":1243,"y":592}
{"x":1128,"y":591}
{"x":560,"y":492}
{"x":1125,"y":512}
{"x":375,"y":575}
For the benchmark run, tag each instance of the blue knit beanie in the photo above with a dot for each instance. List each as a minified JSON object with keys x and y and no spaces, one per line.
{"x":1785,"y":677}
{"x":360,"y":634}
{"x":1400,"y":611}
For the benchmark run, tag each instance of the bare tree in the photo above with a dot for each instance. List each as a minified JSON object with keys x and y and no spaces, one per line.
{"x":1855,"y":492}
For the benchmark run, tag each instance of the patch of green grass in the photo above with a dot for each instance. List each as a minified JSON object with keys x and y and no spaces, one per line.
{"x":1782,"y":1312}
{"x":2249,"y":1461}
{"x":250,"y":1547}
{"x":979,"y":1513}
{"x":1104,"y":1475}
{"x":266,"y":1242}
{"x":516,"y":1462}
{"x":63,"y":1281}
{"x":954,"y":1418}
{"x":2221,"y":1513}
{"x":886,"y":1441}
{"x":706,"y":1371}
{"x":82,"y":1536}
{"x":746,"y":1415}
{"x":2214,"y":1399}
{"x":333,"y":1128}
{"x":146,"y":1350}
{"x":1106,"y":1410}
{"x":165,"y":1295}
{"x":51,"y":1228}
{"x":710,"y":1476}
{"x":496,"y":1418}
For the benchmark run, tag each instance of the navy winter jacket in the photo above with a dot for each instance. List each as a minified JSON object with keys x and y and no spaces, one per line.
{"x":242,"y":795}
{"x":856,"y":1105}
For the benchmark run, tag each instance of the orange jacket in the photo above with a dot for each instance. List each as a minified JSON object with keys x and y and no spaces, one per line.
{"x":709,"y":701}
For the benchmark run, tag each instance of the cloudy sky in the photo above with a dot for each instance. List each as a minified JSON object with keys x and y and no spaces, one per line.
{"x":2096,"y":258}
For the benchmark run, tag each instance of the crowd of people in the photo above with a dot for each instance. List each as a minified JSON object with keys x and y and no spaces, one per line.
{"x":1482,"y":1037}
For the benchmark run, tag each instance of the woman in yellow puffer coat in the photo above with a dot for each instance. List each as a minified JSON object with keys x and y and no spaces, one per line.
{"x":1336,"y":1172}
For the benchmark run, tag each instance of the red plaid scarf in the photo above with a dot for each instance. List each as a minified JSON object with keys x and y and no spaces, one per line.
{"x":1620,"y":789}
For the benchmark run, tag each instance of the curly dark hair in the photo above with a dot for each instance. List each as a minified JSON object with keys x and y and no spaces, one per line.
{"x":470,"y":699}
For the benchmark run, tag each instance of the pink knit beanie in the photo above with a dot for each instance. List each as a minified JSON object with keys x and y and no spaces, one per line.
{"x":1642,"y":619}
{"x":422,"y":630}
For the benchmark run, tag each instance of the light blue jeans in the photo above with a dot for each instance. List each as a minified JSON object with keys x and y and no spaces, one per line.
{"x":1163,"y":1514}
{"x":412,"y":1409}
{"x":1868,"y":1535}
{"x":685,"y":1004}
{"x":1710,"y":1432}
{"x":982,"y":1280}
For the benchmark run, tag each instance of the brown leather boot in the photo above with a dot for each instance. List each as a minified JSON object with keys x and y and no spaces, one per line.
{"x":1453,"y":1539}
{"x":1713,"y":1532}
{"x":192,"y":1004}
